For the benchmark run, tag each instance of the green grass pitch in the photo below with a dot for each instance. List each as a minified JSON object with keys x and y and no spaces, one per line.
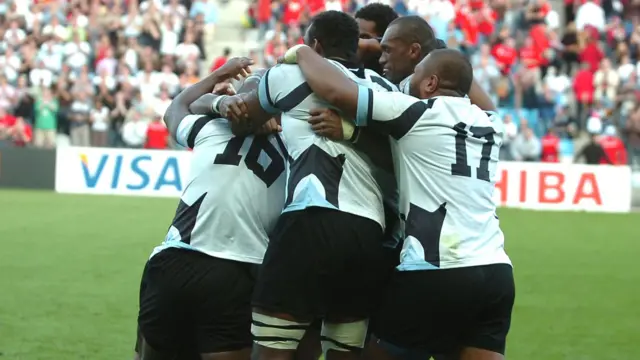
{"x":70,"y":269}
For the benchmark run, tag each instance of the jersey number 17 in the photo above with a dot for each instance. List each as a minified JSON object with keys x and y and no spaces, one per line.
{"x":461,"y":166}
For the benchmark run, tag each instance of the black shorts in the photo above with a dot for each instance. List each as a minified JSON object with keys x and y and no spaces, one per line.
{"x":190,"y":301}
{"x":321,"y":263}
{"x":441,"y":311}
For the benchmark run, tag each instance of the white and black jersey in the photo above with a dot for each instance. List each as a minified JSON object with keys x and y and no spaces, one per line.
{"x":235,"y":191}
{"x":445,"y":155}
{"x":322,"y":173}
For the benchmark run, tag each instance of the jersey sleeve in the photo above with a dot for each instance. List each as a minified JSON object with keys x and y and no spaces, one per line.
{"x":392,"y":113}
{"x":189,"y":128}
{"x":282,"y":88}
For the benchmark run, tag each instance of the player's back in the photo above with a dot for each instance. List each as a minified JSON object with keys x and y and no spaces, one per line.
{"x":323,"y":172}
{"x":234,"y":194}
{"x":447,"y":177}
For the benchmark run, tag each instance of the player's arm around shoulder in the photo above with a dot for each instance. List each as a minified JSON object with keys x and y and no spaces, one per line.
{"x":179,"y":107}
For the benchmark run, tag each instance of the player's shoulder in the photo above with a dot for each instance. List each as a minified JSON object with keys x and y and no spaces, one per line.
{"x":380,"y":81}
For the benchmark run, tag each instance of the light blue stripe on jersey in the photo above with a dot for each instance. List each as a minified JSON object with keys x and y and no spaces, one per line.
{"x":308,"y":196}
{"x":362,"y":114}
{"x":263,"y":95}
{"x":172,"y":244}
{"x":416,"y":266}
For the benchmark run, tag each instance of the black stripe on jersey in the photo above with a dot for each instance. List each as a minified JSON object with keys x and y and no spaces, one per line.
{"x":283,"y":148}
{"x":378,"y":80}
{"x":197,"y":126}
{"x":370,"y":108}
{"x":274,"y":338}
{"x":266,"y":83}
{"x":326,"y":168}
{"x":401,"y":125}
{"x":185,"y":219}
{"x":283,"y":327}
{"x":294,"y":98}
{"x":426,"y":227}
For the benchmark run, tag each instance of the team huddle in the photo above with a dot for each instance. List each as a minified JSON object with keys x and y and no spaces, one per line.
{"x":330,"y":208}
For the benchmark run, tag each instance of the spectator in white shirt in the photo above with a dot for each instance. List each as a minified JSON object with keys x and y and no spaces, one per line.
{"x":187,"y":51}
{"x":167,"y":79}
{"x":592,"y":14}
{"x":169,"y":32}
{"x":526,"y":146}
{"x":14,"y":36}
{"x":161,"y":103}
{"x":134,"y":130}
{"x":40,"y":75}
{"x":11,"y":64}
{"x":55,"y":29}
{"x":106,"y":79}
{"x":8,"y":94}
{"x":626,"y":68}
{"x":99,"y":118}
{"x":51,"y":54}
{"x":510,"y":132}
{"x":80,"y":115}
{"x":77,"y":52}
{"x":335,"y":5}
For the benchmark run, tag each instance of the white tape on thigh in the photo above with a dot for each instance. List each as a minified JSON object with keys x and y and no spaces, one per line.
{"x":344,"y":337}
{"x":274,"y":333}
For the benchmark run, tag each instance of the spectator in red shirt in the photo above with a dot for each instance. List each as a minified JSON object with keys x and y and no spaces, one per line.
{"x":614,"y":147}
{"x":530,"y":56}
{"x":583,"y":87}
{"x":21,"y":133}
{"x":505,"y":54}
{"x":220,"y":60}
{"x":292,"y":12}
{"x":592,"y":55}
{"x":550,"y":147}
{"x":157,"y":135}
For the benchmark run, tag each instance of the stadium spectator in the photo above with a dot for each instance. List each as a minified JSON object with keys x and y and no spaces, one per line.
{"x":526,"y":146}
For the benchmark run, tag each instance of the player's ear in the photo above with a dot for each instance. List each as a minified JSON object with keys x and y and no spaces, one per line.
{"x":317,"y":47}
{"x":415,"y":50}
{"x":430,"y":84}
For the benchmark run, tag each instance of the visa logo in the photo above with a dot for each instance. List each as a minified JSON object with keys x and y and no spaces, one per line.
{"x":141,"y":172}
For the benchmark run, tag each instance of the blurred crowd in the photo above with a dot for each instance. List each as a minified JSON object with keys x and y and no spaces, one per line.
{"x":101,"y":72}
{"x":556,"y":74}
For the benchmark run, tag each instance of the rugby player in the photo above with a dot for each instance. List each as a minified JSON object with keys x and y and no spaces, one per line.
{"x":405,"y":44}
{"x":373,"y":20}
{"x":325,"y":258}
{"x":454,"y":290}
{"x":196,"y":287}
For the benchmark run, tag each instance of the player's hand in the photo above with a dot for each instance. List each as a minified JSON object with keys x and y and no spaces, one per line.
{"x":224,"y":88}
{"x":291,"y":56}
{"x":270,"y":127}
{"x":234,"y":108}
{"x":327,"y":123}
{"x":236,"y":68}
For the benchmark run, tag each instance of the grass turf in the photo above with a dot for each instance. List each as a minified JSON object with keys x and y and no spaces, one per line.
{"x":70,"y":269}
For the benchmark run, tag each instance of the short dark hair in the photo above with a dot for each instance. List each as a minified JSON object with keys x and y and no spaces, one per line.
{"x":380,"y":14}
{"x":454,"y":69}
{"x":227,"y":51}
{"x":414,"y":29}
{"x":337,"y":32}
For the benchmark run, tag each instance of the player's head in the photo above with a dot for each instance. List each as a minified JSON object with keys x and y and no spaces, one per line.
{"x":442,"y":72}
{"x":333,"y":34}
{"x":405,"y":43}
{"x":373,"y":20}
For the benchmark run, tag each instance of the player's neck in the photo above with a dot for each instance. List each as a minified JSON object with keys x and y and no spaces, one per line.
{"x":446,"y":92}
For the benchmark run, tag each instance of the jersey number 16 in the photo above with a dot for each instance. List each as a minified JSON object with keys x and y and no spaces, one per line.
{"x":231,"y":156}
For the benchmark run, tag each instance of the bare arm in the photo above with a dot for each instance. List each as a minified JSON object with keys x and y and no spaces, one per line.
{"x":480,"y":98}
{"x":179,"y":107}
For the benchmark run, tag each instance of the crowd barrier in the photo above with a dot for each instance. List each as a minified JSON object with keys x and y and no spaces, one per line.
{"x":538,"y":186}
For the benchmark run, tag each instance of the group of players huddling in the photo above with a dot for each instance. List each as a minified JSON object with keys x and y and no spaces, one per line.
{"x":322,"y":196}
